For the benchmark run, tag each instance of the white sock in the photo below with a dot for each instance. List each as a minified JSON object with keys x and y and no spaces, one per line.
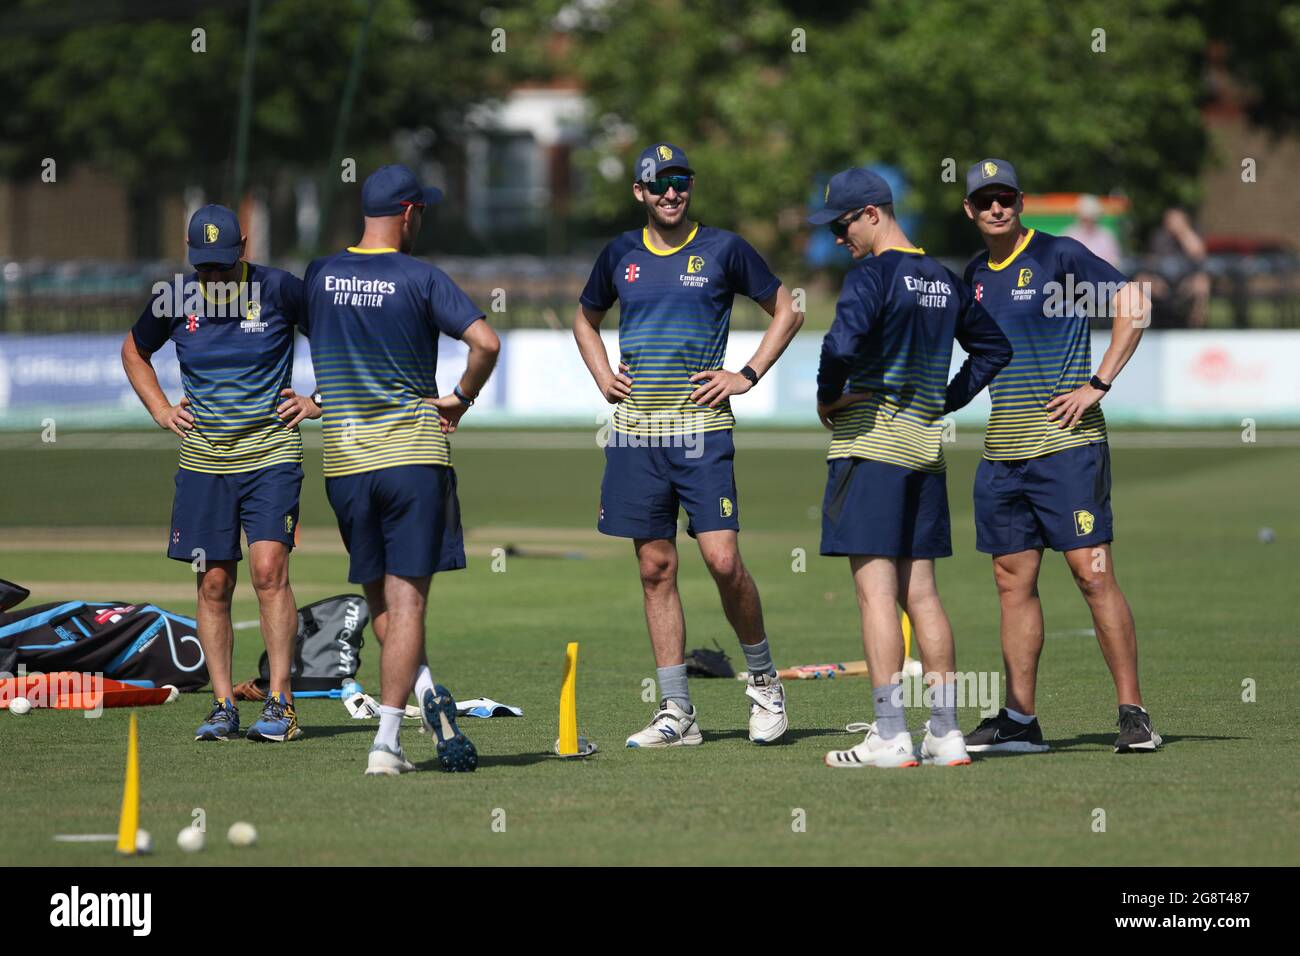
{"x":423,"y":682}
{"x":1020,"y":718}
{"x":390,"y":722}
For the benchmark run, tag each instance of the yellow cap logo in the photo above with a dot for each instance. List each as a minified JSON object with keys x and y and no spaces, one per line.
{"x":725,"y":507}
{"x":694,"y":264}
{"x":1024,"y":277}
{"x":1084,"y":522}
{"x":210,"y":233}
{"x":990,"y":169}
{"x":664,"y":153}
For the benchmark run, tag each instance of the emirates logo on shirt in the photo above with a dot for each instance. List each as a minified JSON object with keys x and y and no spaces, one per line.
{"x":631,"y":272}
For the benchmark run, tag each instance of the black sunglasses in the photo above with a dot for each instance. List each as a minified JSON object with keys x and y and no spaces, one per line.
{"x":661,"y":184}
{"x":212,"y":267}
{"x":840,"y":227}
{"x":1005,"y":198}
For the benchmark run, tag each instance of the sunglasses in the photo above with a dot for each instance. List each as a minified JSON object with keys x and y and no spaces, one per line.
{"x":661,"y":184}
{"x":212,"y":267}
{"x":1005,"y":198}
{"x":840,"y":227}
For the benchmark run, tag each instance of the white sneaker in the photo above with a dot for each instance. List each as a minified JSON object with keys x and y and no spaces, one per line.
{"x":386,"y":762}
{"x":946,"y":751}
{"x":874,"y":751}
{"x":767,"y":717}
{"x":670,"y":727}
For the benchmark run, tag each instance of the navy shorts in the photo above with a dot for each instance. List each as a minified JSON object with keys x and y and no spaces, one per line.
{"x":209,"y":510}
{"x":872,"y":507}
{"x":1059,"y":501}
{"x":644,"y":487}
{"x":403,"y":520}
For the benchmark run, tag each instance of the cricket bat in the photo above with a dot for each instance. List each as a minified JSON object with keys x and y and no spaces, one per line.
{"x":818,"y":671}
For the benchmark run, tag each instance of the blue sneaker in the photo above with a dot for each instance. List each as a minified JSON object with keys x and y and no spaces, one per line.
{"x":438,"y":711}
{"x":278,"y":723}
{"x":222,"y":722}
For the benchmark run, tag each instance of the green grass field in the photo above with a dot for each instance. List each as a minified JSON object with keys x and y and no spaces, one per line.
{"x":1214,"y":605}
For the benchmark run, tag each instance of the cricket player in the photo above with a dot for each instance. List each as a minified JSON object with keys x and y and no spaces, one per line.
{"x":880,"y":390}
{"x":241,"y":455}
{"x":374,"y":315}
{"x":670,"y":445}
{"x":1045,"y":478}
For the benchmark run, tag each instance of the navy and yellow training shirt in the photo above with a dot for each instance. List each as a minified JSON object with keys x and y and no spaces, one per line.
{"x":1032,"y":296}
{"x":895,"y":322}
{"x":236,"y":354}
{"x":674,"y":316}
{"x":374,"y":316}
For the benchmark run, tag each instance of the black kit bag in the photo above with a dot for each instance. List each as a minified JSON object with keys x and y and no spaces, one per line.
{"x":327,"y":648}
{"x":127,"y":642}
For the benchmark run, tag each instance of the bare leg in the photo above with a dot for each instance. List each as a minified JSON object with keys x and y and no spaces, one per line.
{"x":374,"y":591}
{"x":269,"y":568}
{"x":403,"y":641}
{"x":1112,"y":618}
{"x":216,"y":586}
{"x":1022,"y":624}
{"x":919,"y":595}
{"x":876,"y":581}
{"x":657,"y":558}
{"x":740,"y":601}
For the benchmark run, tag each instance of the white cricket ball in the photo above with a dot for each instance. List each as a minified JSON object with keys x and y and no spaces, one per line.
{"x":912,"y":667}
{"x":173,"y":693}
{"x":191,"y":839}
{"x":1266,"y":536}
{"x":143,"y":841}
{"x":20,"y":706}
{"x":242,"y":834}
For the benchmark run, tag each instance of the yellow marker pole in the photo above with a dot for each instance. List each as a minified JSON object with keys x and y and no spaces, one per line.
{"x":130,"y":819}
{"x":907,"y":636}
{"x":569,"y":703}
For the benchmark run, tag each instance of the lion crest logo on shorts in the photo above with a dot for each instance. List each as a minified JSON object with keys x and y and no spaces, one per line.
{"x":288,"y":524}
{"x":725,"y":507}
{"x":1084,"y":522}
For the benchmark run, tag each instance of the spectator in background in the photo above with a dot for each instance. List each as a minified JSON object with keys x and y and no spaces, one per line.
{"x":1087,"y":229}
{"x":1175,"y":268}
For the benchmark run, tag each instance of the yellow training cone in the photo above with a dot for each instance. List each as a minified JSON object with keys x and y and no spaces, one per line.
{"x":130,"y":819}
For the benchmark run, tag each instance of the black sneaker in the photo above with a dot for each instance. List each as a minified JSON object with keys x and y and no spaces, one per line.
{"x":1135,"y":732}
{"x":1001,"y":734}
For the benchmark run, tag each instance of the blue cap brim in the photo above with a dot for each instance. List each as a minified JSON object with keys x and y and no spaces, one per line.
{"x":432,"y":195}
{"x":225,"y":256}
{"x":822,"y":216}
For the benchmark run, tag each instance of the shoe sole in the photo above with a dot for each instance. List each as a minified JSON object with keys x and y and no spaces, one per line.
{"x":912,"y":762}
{"x":261,"y":738}
{"x":1009,"y":747}
{"x":1145,"y":747}
{"x":679,"y":742}
{"x":768,"y":741}
{"x":206,"y":737}
{"x":388,"y":772}
{"x":455,"y":752}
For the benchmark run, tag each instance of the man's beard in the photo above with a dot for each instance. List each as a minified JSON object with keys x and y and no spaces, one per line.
{"x":658,"y":216}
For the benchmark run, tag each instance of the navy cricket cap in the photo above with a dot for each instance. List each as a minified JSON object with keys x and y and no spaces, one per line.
{"x":990,"y":172}
{"x":850,"y":190}
{"x":214,"y":237}
{"x":386,"y":191}
{"x":655,"y":159}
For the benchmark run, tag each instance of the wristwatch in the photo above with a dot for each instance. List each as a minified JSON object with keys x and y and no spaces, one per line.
{"x":465,"y":399}
{"x":316,"y":397}
{"x":1098,"y":384}
{"x":750,"y":374}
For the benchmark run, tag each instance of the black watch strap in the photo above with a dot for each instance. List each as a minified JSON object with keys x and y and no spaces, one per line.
{"x":1097,"y":383}
{"x":462,"y":396}
{"x":750,"y":374}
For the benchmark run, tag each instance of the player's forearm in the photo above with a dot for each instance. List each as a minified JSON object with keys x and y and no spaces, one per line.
{"x":1131,"y":309}
{"x":785,"y":324}
{"x":591,"y":347}
{"x":143,"y":378}
{"x":484,"y":347}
